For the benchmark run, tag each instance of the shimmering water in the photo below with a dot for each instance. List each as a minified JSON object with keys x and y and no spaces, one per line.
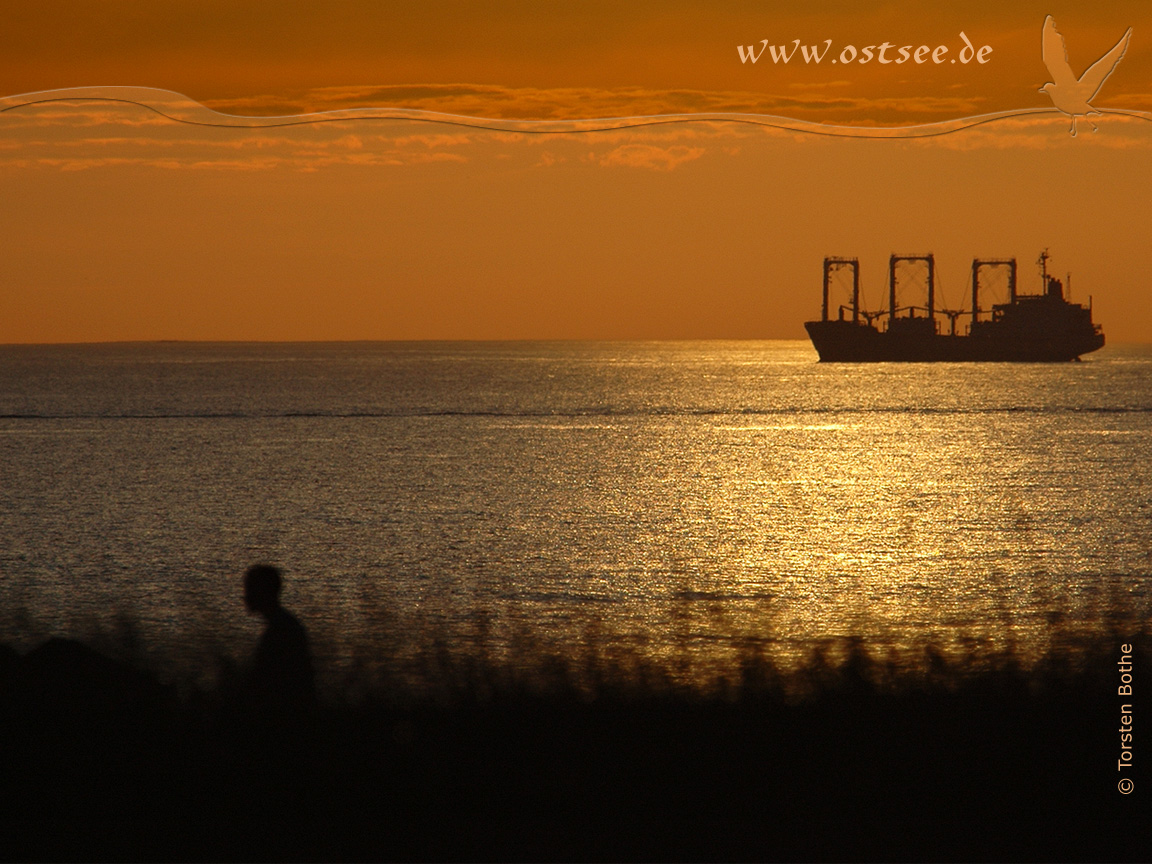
{"x":682,"y":503}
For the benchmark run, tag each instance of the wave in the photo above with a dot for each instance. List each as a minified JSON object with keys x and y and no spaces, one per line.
{"x":179,"y":108}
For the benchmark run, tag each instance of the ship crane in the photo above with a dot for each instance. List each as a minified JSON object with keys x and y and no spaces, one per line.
{"x":979,"y":264}
{"x":953,"y":314}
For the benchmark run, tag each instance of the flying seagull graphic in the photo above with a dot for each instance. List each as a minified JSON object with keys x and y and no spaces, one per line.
{"x":1068,"y":94}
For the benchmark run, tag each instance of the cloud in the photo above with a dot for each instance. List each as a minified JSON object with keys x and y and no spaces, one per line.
{"x":649,"y":156}
{"x":82,"y":135}
{"x":235,"y":150}
{"x":1049,"y":131}
{"x":1130,"y":101}
{"x":822,"y":102}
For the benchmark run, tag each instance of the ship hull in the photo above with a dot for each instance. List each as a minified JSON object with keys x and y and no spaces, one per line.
{"x":854,"y":342}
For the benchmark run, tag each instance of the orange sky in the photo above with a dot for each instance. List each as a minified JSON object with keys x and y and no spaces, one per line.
{"x":272,"y":54}
{"x":123,"y":225}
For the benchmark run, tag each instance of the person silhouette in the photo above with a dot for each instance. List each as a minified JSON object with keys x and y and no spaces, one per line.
{"x":281,"y":683}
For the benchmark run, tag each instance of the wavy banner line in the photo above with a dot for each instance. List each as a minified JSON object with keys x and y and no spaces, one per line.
{"x":178,"y":108}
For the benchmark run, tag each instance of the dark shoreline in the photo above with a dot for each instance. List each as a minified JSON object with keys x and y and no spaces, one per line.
{"x":995,"y":765}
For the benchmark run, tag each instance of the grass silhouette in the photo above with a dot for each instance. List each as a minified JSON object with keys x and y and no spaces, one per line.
{"x":546,"y":757}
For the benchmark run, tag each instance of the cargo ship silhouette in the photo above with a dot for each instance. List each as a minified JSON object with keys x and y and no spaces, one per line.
{"x":1042,"y":327}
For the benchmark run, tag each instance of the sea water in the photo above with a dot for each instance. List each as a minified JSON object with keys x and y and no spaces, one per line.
{"x":676,"y":504}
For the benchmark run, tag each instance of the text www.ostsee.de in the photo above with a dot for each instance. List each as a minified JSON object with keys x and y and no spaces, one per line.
{"x":884,"y":53}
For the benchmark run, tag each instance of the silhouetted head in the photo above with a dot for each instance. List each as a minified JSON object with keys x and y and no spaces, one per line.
{"x":262,"y":588}
{"x":1047,"y":88}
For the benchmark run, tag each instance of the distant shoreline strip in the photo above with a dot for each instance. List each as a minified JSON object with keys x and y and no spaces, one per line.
{"x":577,"y":414}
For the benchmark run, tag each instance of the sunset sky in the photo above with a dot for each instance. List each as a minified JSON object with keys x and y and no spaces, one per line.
{"x":121,"y":224}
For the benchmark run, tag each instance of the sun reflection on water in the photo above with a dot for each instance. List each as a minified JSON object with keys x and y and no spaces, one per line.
{"x":684,"y":506}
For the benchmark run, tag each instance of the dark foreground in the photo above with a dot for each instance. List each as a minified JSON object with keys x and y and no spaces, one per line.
{"x":991,"y":766}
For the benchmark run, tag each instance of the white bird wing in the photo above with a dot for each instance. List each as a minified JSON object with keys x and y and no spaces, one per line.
{"x":1055,"y":55}
{"x":1095,"y":75}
